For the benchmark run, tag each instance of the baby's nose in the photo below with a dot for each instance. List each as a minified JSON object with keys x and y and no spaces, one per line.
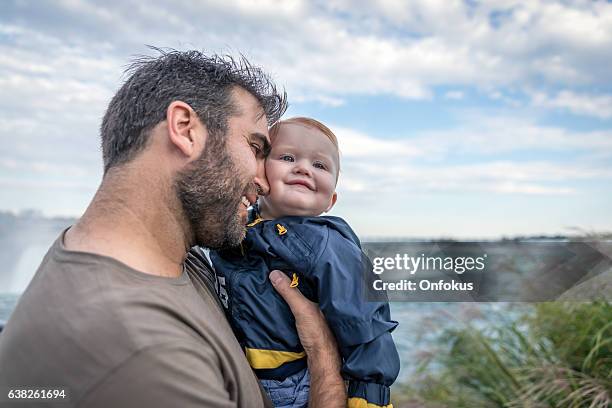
{"x":302,"y":169}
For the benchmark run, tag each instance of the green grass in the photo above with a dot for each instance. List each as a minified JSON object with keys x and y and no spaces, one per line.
{"x":545,"y":355}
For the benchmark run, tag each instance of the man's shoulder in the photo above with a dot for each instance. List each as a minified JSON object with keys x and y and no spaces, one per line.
{"x":95,"y":300}
{"x":82,"y":319}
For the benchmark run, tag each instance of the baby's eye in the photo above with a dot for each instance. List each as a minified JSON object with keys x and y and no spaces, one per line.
{"x":286,"y":157}
{"x":320,"y":165}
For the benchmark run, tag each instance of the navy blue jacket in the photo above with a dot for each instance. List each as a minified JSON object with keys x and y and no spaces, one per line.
{"x":324,"y":257}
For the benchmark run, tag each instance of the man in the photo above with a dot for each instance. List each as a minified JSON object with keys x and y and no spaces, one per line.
{"x":114,"y":317}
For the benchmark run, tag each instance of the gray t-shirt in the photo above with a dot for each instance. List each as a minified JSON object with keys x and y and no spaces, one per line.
{"x":111,"y":336}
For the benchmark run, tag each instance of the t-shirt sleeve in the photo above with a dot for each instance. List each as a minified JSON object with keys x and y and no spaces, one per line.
{"x":170,"y":375}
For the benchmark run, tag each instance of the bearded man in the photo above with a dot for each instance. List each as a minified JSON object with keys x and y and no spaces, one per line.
{"x":114,"y":317}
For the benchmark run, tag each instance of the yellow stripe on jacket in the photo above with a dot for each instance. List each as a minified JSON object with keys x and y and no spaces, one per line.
{"x":355,"y":402}
{"x":265,"y":359}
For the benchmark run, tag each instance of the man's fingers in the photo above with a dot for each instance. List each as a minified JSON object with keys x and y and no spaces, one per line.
{"x":293,"y":297}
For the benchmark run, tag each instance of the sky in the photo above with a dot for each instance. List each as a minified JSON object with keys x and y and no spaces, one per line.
{"x":458,"y":119}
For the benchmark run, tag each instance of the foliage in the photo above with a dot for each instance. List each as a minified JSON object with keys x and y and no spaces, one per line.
{"x":544,"y":355}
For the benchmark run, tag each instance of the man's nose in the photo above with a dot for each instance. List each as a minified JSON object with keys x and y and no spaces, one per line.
{"x":261,"y":181}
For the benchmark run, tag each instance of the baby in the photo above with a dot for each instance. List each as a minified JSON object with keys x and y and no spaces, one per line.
{"x":323,"y":257}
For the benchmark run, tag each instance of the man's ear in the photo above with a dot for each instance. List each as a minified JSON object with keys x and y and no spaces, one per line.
{"x":185,"y":129}
{"x":334,"y":198}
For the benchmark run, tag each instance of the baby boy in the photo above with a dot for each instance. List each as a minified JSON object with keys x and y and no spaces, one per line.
{"x":323,"y":257}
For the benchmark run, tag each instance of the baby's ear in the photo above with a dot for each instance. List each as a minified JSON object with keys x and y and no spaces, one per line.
{"x":333,"y":200}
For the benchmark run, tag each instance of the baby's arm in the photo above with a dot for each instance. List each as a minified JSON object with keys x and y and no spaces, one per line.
{"x":371,"y":368}
{"x":362,"y":328}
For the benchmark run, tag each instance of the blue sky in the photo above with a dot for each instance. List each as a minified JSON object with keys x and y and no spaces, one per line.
{"x":458,"y":119}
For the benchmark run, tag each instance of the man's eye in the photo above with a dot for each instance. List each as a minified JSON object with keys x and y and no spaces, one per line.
{"x":256,"y":148}
{"x":286,"y":157}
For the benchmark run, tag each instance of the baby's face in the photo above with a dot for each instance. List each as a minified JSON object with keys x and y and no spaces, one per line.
{"x":301,"y":171}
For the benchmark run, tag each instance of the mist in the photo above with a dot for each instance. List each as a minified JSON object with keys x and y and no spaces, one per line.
{"x":24,"y":240}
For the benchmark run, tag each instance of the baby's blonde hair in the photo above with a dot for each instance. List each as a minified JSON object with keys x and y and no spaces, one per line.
{"x":312,"y":123}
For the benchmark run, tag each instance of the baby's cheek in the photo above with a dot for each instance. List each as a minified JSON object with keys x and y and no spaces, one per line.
{"x":272,"y":173}
{"x":330,"y":183}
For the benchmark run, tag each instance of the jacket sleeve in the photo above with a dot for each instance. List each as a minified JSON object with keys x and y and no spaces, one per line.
{"x":362,"y":328}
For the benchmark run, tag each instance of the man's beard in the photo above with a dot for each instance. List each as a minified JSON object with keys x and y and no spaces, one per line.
{"x":210,"y":191}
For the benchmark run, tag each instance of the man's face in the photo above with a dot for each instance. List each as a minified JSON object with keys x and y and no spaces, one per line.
{"x":217,"y":188}
{"x":301,"y":169}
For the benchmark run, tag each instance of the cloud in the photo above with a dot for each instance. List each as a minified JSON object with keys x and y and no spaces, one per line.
{"x":45,"y":168}
{"x":476,"y":136}
{"x":48,"y":185}
{"x":514,"y":188}
{"x":386,"y":180}
{"x":355,"y":144}
{"x":501,"y":43}
{"x":454,"y":95}
{"x":62,"y":61}
{"x":435,"y":162}
{"x":322,"y":99}
{"x":599,"y":106}
{"x":327,"y":51}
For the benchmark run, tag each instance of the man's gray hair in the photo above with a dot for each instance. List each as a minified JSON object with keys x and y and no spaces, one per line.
{"x":203,"y":81}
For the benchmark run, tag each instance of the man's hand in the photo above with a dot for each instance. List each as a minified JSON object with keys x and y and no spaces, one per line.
{"x":326,"y":385}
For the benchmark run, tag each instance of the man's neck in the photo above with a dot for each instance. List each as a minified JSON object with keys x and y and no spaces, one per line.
{"x":135,"y":223}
